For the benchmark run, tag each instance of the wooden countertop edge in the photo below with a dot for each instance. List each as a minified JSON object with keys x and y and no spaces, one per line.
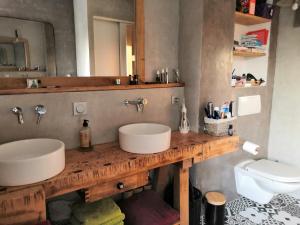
{"x":188,"y":147}
{"x":86,"y":88}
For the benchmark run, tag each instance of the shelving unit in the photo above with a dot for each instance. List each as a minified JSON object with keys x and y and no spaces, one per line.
{"x":246,"y":61}
{"x":248,"y":19}
{"x":248,"y":54}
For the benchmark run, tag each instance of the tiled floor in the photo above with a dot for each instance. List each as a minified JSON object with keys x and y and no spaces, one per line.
{"x":282,"y":210}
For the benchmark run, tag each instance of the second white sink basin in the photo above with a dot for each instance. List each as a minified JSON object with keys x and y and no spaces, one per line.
{"x":145,"y":138}
{"x":30,"y":161}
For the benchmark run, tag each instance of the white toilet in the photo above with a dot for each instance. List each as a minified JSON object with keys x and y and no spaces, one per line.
{"x":262,"y":179}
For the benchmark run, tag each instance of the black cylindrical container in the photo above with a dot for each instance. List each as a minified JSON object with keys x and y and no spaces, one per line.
{"x":214,"y":208}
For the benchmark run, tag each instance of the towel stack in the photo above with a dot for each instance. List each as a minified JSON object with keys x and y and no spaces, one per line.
{"x":104,"y":212}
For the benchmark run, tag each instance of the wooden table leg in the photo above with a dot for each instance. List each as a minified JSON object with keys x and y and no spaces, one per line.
{"x":181,"y":190}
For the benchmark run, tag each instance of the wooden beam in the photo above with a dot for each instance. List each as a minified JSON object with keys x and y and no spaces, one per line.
{"x":140,"y":38}
{"x":181,"y":191}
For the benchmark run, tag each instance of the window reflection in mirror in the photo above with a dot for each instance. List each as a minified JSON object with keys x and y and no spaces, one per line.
{"x":113,"y":47}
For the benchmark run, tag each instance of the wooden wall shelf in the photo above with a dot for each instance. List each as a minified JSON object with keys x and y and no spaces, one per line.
{"x":247,"y":19}
{"x":17,"y":91}
{"x":248,"y":54}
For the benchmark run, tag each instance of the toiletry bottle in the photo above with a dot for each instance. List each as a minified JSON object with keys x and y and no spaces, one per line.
{"x":167,"y":76}
{"x":230,"y":130}
{"x":162,"y":76}
{"x":157,"y":76}
{"x":85,"y":135}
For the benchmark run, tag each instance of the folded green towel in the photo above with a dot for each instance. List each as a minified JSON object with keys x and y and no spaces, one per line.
{"x":97,"y":213}
{"x":116,"y":221}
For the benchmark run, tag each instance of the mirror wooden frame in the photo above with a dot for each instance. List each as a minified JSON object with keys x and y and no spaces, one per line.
{"x":16,"y":85}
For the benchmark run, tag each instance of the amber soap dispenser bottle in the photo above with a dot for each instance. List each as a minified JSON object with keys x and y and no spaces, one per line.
{"x":85,"y":136}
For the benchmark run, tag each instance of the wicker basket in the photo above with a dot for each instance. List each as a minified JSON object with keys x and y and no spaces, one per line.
{"x":219,"y":127}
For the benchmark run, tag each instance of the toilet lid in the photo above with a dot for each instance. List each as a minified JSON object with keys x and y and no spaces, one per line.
{"x":275,"y":171}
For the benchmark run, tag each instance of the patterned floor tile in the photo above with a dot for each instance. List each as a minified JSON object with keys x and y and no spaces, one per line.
{"x":282,"y":210}
{"x":294,"y":210}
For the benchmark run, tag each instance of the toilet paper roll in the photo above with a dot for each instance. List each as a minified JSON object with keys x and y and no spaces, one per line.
{"x":251,"y":147}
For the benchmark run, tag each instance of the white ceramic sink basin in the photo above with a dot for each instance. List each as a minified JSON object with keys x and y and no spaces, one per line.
{"x":145,"y":138}
{"x":30,"y":161}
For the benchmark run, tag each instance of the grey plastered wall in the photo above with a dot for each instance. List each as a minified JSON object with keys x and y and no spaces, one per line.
{"x":190,"y":44}
{"x":106,"y":113}
{"x":212,"y":83}
{"x":284,"y":139}
{"x":57,"y":12}
{"x":161,"y":36}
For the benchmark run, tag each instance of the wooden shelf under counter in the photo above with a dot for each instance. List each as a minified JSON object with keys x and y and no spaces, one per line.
{"x":248,"y":19}
{"x":97,"y":173}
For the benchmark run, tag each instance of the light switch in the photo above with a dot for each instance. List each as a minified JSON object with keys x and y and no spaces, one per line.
{"x":79,"y":108}
{"x":249,"y":105}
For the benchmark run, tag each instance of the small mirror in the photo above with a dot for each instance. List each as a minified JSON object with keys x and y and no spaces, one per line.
{"x":26,"y":47}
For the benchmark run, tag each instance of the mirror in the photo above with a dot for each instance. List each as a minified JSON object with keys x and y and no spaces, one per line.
{"x":26,"y":47}
{"x":96,"y":39}
{"x":113,"y":47}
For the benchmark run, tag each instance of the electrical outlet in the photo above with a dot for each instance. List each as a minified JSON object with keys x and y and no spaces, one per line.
{"x":175,"y":100}
{"x":79,"y":108}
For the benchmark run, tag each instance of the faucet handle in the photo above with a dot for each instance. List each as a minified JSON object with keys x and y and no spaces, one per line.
{"x":40,"y":110}
{"x":144,"y":101}
{"x":18,"y":111}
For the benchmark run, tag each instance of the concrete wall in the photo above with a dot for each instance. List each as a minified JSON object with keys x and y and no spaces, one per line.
{"x":57,"y":12}
{"x":161,"y":36}
{"x":211,"y":66}
{"x":106,"y":113}
{"x":285,"y":123}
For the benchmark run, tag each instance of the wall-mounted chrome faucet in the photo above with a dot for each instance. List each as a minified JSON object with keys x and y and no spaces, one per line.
{"x":140,"y":103}
{"x":18,"y":111}
{"x":40,"y":111}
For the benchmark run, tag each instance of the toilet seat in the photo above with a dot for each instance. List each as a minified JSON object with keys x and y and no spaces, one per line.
{"x":274,"y":170}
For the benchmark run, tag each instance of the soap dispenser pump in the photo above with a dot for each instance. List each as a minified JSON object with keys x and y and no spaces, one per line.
{"x":85,"y":136}
{"x":184,"y":126}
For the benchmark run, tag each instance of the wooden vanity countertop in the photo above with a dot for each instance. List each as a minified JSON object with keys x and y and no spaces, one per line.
{"x":108,"y":162}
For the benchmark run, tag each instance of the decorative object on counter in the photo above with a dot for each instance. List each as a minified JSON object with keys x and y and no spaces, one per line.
{"x":167,"y":76}
{"x":184,"y":126}
{"x":118,"y":81}
{"x":220,"y":121}
{"x":155,"y":211}
{"x":158,"y":77}
{"x":219,"y":127}
{"x":32,"y":83}
{"x":230,"y":130}
{"x":85,"y":137}
{"x":105,"y":211}
{"x":136,"y":79}
{"x":177,"y":75}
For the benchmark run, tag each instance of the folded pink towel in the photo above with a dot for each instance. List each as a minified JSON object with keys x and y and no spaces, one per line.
{"x":147,"y":208}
